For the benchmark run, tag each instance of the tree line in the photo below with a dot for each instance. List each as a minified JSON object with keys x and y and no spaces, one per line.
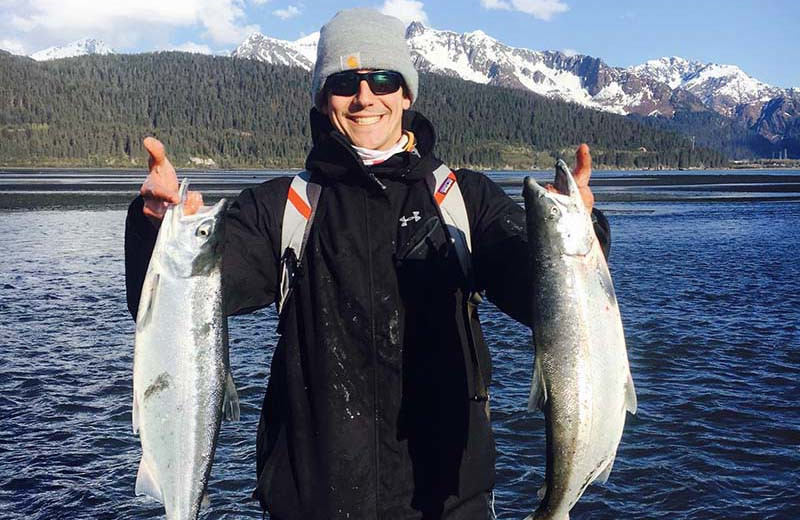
{"x":95,"y":110}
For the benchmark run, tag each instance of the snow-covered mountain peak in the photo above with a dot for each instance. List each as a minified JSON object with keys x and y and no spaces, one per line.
{"x":671,"y":70}
{"x":659,"y":86}
{"x":723,"y":88}
{"x":307,"y":45}
{"x":414,"y":29}
{"x":479,"y":35}
{"x":80,"y":47}
{"x":301,"y":53}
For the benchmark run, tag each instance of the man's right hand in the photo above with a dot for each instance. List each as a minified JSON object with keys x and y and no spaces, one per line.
{"x":160,"y":188}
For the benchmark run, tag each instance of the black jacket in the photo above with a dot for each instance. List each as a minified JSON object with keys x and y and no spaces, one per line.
{"x":375,"y":407}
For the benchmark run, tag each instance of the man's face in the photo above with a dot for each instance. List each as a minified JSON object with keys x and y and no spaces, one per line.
{"x":366,"y":119}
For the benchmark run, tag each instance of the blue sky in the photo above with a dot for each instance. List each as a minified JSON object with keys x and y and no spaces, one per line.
{"x":760,"y":36}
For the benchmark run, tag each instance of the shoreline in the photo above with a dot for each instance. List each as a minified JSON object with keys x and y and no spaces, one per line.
{"x":115,"y":189}
{"x":595,"y":168}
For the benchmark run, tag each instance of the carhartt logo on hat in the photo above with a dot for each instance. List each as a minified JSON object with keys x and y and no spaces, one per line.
{"x":350,"y":61}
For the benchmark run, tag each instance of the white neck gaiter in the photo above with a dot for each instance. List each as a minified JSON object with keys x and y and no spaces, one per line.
{"x":373,"y":157}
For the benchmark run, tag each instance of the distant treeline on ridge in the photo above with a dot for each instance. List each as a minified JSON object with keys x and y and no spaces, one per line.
{"x":95,"y":110}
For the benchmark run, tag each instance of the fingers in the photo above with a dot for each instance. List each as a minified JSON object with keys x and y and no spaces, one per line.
{"x":156,"y":190}
{"x":160,"y":188}
{"x":156,"y":150}
{"x":154,"y":210}
{"x":582,"y":173}
{"x":583,"y":167}
{"x":194,"y":201}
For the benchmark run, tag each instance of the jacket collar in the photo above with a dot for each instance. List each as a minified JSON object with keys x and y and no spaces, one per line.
{"x":334,"y":158}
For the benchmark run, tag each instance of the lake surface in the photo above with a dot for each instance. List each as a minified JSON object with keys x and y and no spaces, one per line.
{"x":709,"y":287}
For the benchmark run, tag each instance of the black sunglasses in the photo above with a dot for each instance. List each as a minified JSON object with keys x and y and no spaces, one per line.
{"x":380,"y":82}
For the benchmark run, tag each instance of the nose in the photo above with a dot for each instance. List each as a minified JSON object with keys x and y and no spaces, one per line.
{"x":364,"y":95}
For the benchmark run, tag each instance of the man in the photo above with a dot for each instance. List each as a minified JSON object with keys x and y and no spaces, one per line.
{"x":376,"y":405}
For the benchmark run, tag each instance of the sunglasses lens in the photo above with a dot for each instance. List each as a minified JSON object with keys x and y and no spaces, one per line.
{"x":380,"y":82}
{"x":342,"y":84}
{"x":384,"y":81}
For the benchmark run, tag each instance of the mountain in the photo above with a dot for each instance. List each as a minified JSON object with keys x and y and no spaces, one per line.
{"x":779,"y":122}
{"x":77,"y":48}
{"x":665,"y":87}
{"x":300,"y":53}
{"x":660,"y":86}
{"x":657,"y":87}
{"x":723,"y":88}
{"x":95,"y":110}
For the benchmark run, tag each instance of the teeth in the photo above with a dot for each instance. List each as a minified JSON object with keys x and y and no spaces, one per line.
{"x":366,"y":120}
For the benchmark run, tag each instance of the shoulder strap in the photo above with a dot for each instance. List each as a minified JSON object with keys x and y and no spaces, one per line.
{"x":298,"y":213}
{"x":447,"y":194}
{"x":444,"y":187}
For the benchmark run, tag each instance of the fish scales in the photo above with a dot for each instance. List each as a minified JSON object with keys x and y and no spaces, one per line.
{"x":181,"y":376}
{"x":581,"y":377}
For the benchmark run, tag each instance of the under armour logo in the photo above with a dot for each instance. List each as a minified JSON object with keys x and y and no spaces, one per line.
{"x":414,"y":216}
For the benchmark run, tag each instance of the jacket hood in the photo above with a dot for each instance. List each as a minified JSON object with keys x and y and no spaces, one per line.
{"x":334,"y":158}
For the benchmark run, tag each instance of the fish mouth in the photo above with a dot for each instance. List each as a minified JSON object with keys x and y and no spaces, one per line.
{"x":532,"y":189}
{"x":202,"y":212}
{"x":564,"y":183}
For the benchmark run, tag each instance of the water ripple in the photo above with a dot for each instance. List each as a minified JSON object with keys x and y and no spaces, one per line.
{"x":710,"y":296}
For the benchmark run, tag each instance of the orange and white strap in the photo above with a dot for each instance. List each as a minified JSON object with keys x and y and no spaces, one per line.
{"x":454,"y":213}
{"x":296,"y":214}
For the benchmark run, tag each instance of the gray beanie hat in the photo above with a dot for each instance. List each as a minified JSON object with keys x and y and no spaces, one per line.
{"x":362,"y":38}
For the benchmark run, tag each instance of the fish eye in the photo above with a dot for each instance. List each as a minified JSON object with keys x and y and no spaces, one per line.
{"x":554,"y":210}
{"x":203,"y":230}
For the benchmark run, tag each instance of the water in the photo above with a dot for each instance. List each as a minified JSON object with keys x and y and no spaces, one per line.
{"x":710,"y":296}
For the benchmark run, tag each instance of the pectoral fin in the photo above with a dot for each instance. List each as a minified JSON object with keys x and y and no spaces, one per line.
{"x":538,"y":396}
{"x":230,"y":403}
{"x":147,"y":300}
{"x":146,"y":483}
{"x":135,"y":414}
{"x":630,"y":395}
{"x":602,"y":477}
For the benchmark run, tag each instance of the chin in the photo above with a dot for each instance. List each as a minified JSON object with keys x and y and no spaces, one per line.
{"x":372,"y":144}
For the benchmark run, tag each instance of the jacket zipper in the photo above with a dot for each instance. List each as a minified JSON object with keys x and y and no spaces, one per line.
{"x":374,"y":354}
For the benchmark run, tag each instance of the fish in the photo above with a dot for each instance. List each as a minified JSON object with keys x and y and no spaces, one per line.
{"x":581,"y":376}
{"x":182,"y":383}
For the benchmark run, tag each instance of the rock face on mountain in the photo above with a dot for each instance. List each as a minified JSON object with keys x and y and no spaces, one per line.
{"x":780,"y":118}
{"x":657,"y":87}
{"x":77,"y":48}
{"x":723,"y":88}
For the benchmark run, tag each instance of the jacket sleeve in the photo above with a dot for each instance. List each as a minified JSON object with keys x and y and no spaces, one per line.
{"x":500,"y":243}
{"x":140,"y":238}
{"x":250,"y":261}
{"x":250,"y":267}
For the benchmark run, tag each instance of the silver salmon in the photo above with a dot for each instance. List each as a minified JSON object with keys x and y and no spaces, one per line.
{"x":581,"y":377}
{"x":181,"y":372}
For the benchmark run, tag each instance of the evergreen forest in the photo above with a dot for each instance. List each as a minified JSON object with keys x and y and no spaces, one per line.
{"x":95,"y":111}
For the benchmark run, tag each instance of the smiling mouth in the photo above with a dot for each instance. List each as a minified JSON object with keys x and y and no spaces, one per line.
{"x":364,"y":121}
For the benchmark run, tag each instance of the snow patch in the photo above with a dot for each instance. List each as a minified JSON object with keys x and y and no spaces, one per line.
{"x":80,"y":47}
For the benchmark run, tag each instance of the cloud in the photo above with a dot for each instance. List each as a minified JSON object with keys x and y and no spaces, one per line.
{"x":12,"y":46}
{"x":196,"y":48}
{"x":495,"y":4}
{"x":123,"y":22}
{"x":407,"y":10}
{"x":541,"y":9}
{"x":260,"y":2}
{"x":290,"y":12}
